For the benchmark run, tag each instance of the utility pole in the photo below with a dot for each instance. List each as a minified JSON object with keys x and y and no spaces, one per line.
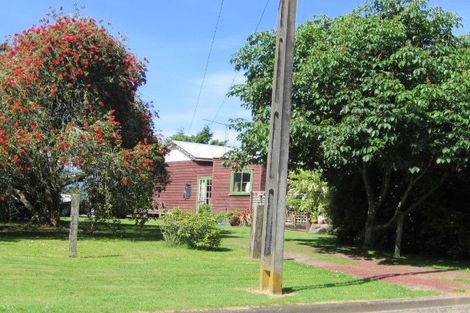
{"x":272,"y":245}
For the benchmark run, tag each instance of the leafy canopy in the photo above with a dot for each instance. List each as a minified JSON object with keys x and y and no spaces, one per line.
{"x":388,"y":83}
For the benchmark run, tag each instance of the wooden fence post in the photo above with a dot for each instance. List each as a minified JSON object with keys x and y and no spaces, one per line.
{"x":73,"y":233}
{"x":256,"y":232}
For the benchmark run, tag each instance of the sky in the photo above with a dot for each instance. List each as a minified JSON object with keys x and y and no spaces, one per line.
{"x":176,"y":35}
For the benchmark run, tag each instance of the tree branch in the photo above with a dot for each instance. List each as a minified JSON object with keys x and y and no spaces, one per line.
{"x":403,"y":199}
{"x":426,"y":195}
{"x":385,"y":185}
{"x":22,"y":198}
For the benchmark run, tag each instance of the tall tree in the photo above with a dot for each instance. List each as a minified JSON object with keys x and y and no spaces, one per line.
{"x":67,"y":100}
{"x":382,"y":92}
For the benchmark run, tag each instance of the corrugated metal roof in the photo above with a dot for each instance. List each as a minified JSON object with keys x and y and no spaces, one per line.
{"x":199,"y":151}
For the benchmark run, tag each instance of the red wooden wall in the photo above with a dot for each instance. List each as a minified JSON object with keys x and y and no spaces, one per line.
{"x":221,"y":198}
{"x":182,"y":172}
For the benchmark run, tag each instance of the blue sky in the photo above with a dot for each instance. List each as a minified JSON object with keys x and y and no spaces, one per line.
{"x":175,"y":36}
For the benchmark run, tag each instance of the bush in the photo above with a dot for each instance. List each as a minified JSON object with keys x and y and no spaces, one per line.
{"x":233,"y":218}
{"x":245,"y":217}
{"x":440,"y":226}
{"x":205,"y":209}
{"x":308,"y":192}
{"x":240,"y":217}
{"x":198,"y":231}
{"x":221,"y":217}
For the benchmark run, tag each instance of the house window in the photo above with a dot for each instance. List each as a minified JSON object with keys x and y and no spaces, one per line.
{"x":240,"y":182}
{"x":187,"y":191}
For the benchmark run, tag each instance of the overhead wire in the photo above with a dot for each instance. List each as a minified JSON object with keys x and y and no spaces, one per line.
{"x":198,"y":99}
{"x":235,"y":76}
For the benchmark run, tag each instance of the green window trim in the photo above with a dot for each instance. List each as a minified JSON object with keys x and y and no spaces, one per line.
{"x":233,"y":184}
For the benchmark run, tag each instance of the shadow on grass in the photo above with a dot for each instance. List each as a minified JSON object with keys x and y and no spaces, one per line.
{"x":360,"y":281}
{"x":101,"y":256}
{"x":326,"y":244}
{"x":219,"y":249}
{"x":15,"y":232}
{"x":229,"y":234}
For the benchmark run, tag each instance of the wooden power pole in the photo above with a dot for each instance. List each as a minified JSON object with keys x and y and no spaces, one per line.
{"x":272,"y":241}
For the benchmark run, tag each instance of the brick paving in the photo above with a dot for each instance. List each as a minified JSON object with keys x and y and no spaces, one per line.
{"x":414,"y":277}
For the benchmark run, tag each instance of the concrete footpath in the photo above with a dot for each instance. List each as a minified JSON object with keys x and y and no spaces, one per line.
{"x":418,"y":305}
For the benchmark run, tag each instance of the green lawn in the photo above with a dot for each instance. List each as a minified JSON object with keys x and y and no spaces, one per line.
{"x":137,"y":271}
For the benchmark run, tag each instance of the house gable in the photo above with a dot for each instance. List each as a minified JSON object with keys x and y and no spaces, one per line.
{"x":176,"y":155}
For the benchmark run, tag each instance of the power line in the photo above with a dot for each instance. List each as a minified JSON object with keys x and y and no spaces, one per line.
{"x":262,"y":15}
{"x":207,"y":64}
{"x":235,"y":76}
{"x":226,"y":129}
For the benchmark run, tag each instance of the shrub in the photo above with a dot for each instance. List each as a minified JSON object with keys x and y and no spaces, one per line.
{"x":221,"y":217}
{"x":308,"y":192}
{"x":245,"y":217}
{"x":205,"y":209}
{"x":233,"y":218}
{"x":198,"y":231}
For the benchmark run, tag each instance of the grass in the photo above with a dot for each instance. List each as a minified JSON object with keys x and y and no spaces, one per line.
{"x":136,"y":271}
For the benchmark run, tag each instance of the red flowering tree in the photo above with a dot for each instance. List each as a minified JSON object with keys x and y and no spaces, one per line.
{"x":69,"y":113}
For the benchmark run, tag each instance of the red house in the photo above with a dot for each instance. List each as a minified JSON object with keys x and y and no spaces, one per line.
{"x":197,"y":177}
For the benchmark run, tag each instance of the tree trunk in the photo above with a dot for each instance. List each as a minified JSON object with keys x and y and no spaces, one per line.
{"x":54,"y":218}
{"x":10,"y":213}
{"x":369,"y":231}
{"x":53,"y":204}
{"x":309,"y":222}
{"x":400,"y":215}
{"x":55,"y":209}
{"x":399,"y":234}
{"x":371,"y":210}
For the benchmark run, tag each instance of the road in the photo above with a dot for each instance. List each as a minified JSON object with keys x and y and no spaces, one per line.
{"x":442,"y":309}
{"x":441,"y":304}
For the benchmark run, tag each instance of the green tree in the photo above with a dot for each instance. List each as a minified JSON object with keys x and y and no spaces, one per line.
{"x":382,"y":92}
{"x":217,"y":142}
{"x":67,"y":101}
{"x":203,"y":136}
